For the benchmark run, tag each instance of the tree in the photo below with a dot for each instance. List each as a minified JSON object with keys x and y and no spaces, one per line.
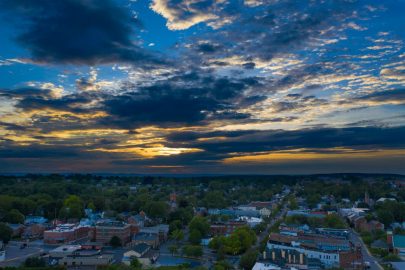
{"x":193,"y":251}
{"x":200,"y":224}
{"x":174,"y":249}
{"x":115,"y":241}
{"x":34,"y":262}
{"x":5,"y":233}
{"x":72,"y":207}
{"x":135,"y":264}
{"x":177,"y":235}
{"x":247,"y":261}
{"x":293,"y":203}
{"x":156,"y":209}
{"x":195,"y":237}
{"x":14,"y":216}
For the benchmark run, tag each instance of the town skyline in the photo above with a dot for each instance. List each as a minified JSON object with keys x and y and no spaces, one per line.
{"x":202,"y":87}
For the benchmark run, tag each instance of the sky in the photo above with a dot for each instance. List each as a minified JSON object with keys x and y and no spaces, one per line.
{"x":202,"y":86}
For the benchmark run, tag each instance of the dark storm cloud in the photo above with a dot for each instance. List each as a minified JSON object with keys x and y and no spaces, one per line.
{"x":188,"y":99}
{"x":72,"y":103}
{"x":26,"y":92}
{"x":76,"y":31}
{"x":317,"y":138}
{"x":185,"y":99}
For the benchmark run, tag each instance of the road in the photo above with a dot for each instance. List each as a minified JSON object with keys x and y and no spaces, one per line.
{"x":16,"y":256}
{"x":355,"y":238}
{"x":265,"y":233}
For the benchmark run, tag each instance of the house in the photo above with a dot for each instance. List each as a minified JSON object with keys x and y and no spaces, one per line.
{"x":140,"y":249}
{"x":143,"y":252}
{"x":147,"y":238}
{"x":18,"y":229}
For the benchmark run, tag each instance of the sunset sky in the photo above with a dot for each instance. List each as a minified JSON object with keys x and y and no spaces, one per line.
{"x":202,"y":86}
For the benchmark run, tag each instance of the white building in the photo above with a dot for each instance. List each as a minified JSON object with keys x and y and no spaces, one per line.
{"x":329,"y":259}
{"x":265,"y":266}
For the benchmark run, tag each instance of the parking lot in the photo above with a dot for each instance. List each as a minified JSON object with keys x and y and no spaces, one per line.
{"x":15,"y":255}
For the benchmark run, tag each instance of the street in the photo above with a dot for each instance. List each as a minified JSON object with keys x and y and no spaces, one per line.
{"x":355,"y":238}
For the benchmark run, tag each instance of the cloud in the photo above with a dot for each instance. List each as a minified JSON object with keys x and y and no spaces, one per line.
{"x":78,"y":32}
{"x":396,"y":96}
{"x":183,"y":14}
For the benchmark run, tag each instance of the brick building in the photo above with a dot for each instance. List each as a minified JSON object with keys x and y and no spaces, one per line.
{"x":106,"y":230}
{"x":66,"y":233}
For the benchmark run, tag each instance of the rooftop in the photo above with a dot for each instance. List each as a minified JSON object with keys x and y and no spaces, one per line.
{"x":399,"y":241}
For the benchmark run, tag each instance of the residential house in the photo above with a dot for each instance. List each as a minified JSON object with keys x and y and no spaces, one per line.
{"x":143,"y":253}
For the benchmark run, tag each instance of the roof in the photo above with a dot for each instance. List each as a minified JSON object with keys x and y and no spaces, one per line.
{"x":399,"y":241}
{"x":141,"y":248}
{"x":379,"y":244}
{"x":145,"y":236}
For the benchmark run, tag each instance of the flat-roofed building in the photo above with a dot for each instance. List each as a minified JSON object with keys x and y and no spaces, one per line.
{"x":108,"y":229}
{"x":66,"y":233}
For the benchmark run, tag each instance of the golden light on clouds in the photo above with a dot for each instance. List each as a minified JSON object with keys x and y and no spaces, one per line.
{"x":150,"y":151}
{"x":311,"y":154}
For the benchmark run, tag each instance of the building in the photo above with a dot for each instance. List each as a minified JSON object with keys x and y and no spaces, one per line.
{"x":398,"y":245}
{"x":34,"y":230}
{"x":143,"y":252}
{"x":147,"y":238}
{"x":362,"y":225}
{"x":293,"y":229}
{"x":265,"y":266}
{"x":35,"y":220}
{"x":108,"y":229}
{"x":86,"y":258}
{"x":336,"y":233}
{"x":251,"y":221}
{"x":63,"y":251}
{"x":66,"y":233}
{"x":265,"y":212}
{"x":18,"y":229}
{"x":162,"y":230}
{"x":313,"y":249}
{"x":306,"y":213}
{"x":226,"y":228}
